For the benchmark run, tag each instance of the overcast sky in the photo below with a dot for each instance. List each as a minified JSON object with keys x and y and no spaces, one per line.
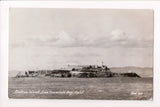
{"x":50,"y":38}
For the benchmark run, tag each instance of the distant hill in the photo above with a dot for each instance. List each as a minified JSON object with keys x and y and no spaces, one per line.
{"x":143,"y":72}
{"x":13,"y":73}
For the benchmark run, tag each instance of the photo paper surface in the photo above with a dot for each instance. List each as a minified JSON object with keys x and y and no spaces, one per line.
{"x":74,"y":53}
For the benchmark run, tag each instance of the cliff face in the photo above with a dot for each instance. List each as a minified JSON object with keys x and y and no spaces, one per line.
{"x":143,"y":72}
{"x":101,"y":72}
{"x":126,"y":75}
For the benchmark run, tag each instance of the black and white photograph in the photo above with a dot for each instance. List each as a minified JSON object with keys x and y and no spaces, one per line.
{"x":80,"y":53}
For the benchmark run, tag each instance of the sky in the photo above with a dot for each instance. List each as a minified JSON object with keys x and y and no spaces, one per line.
{"x":48,"y":38}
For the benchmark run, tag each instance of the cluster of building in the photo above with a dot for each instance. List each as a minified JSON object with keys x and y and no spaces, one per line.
{"x":90,"y":71}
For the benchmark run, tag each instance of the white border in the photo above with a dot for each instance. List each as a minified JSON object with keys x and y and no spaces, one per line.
{"x":4,"y":31}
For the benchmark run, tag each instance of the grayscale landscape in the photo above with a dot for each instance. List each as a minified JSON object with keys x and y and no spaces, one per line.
{"x":100,"y":54}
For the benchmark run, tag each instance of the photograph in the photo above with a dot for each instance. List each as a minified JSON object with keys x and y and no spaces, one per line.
{"x":80,"y":53}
